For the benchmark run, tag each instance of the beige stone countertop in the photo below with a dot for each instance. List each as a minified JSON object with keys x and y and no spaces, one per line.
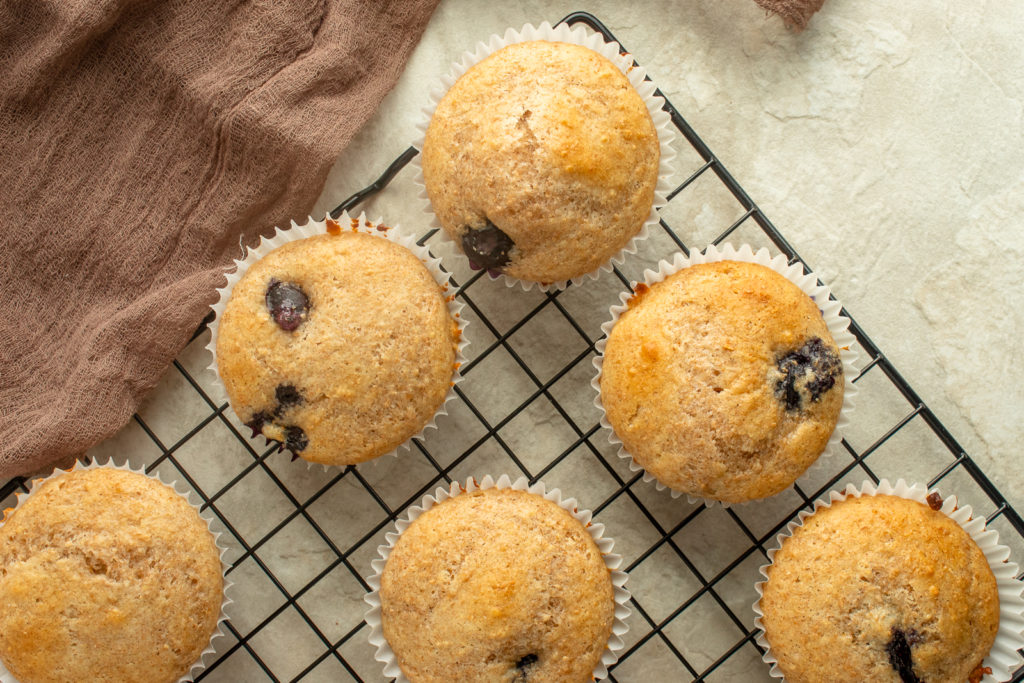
{"x":885,"y":142}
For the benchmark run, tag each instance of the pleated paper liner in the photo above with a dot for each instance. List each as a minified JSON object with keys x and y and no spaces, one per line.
{"x":808,"y":283}
{"x":378,"y":229}
{"x":1003,"y":658}
{"x":635,"y":74}
{"x":386,"y":655}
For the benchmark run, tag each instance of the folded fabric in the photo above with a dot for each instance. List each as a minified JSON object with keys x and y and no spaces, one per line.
{"x":795,"y":13}
{"x":141,"y":141}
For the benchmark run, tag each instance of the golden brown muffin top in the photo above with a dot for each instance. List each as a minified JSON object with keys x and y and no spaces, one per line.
{"x":552,"y":146}
{"x":880,"y":588}
{"x":106,"y":575}
{"x":722,"y":381}
{"x":497,"y":585}
{"x":358,"y":357}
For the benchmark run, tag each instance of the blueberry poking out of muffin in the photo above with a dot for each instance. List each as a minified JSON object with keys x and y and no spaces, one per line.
{"x":523,"y":667}
{"x":256,"y":423}
{"x":287,"y":395}
{"x":295,"y":439}
{"x":487,"y":247}
{"x":289,"y":436}
{"x":808,"y":372}
{"x":900,"y":656}
{"x":287,"y":303}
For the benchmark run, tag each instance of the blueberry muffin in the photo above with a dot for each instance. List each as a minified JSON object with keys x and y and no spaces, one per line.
{"x":880,"y":588}
{"x":106,"y":575}
{"x":541,"y":161}
{"x":340,"y":346}
{"x":722,"y":381}
{"x":497,"y":585}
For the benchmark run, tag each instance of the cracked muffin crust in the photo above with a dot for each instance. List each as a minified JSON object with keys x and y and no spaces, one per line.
{"x":722,"y":381}
{"x":880,"y":588}
{"x":339,"y":346}
{"x":106,"y":575}
{"x":497,"y":585}
{"x":541,"y":161}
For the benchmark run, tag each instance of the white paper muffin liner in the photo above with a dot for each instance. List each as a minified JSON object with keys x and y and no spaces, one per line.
{"x":195,"y":669}
{"x":386,"y":655}
{"x":635,"y":74}
{"x":348,"y":224}
{"x":808,"y":282}
{"x":1002,"y":658}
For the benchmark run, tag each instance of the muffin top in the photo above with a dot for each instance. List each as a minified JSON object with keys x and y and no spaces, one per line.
{"x":880,"y":588}
{"x":723,"y":381}
{"x":541,"y":161}
{"x":340,"y":346}
{"x":497,"y":585}
{"x":106,"y":575}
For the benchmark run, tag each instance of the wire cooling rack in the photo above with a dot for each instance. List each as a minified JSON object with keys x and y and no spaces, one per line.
{"x":301,"y":540}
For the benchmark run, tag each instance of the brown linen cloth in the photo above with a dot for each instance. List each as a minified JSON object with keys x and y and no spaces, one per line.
{"x":795,"y":13}
{"x":139,"y":141}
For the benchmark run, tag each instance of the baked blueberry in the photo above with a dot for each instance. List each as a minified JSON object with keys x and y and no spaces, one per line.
{"x":295,"y":439}
{"x":900,"y":657}
{"x":257,"y":422}
{"x":487,"y":247}
{"x":287,"y":303}
{"x":523,"y":667}
{"x":287,"y":395}
{"x":807,"y":373}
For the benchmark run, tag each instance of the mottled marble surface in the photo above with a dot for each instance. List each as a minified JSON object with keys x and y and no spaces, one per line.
{"x":885,"y":142}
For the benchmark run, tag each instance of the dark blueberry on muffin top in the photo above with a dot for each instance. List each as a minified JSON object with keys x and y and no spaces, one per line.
{"x":487,"y":247}
{"x":287,"y":395}
{"x":900,"y":657}
{"x":257,"y":422}
{"x":287,"y":303}
{"x":807,"y":373}
{"x":295,"y":439}
{"x":523,"y":667}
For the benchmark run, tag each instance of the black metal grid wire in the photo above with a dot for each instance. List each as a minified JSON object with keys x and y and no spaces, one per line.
{"x":653,"y":640}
